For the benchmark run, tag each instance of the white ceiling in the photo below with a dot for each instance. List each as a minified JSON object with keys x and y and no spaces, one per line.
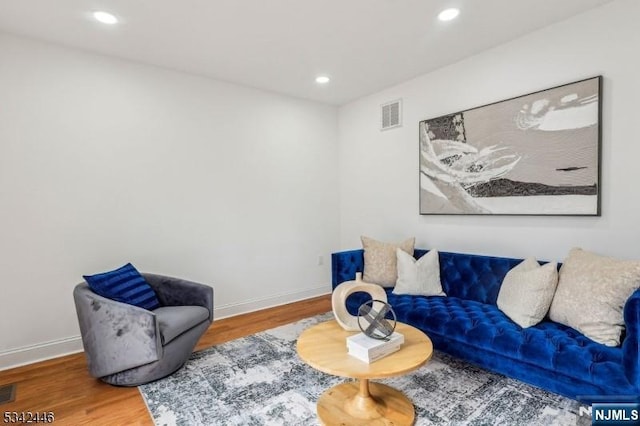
{"x":281,"y":45}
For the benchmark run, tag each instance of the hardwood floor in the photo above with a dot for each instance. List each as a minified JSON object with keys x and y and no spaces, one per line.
{"x":64,"y":387}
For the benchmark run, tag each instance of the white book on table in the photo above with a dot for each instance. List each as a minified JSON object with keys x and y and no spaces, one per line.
{"x":368,"y":349}
{"x":374,"y":356}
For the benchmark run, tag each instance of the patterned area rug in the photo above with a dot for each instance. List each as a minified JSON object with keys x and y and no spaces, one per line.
{"x":259,"y":380}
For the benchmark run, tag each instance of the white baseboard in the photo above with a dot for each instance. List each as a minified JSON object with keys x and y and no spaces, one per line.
{"x":252,"y":305}
{"x":56,"y":348}
{"x":40,"y":352}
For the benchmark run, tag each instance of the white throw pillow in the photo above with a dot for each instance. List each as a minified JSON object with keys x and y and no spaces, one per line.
{"x":591,"y":294}
{"x":418,"y":277}
{"x":380,"y":266}
{"x":527,"y":291}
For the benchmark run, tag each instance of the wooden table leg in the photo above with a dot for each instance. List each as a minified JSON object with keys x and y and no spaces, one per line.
{"x":365,"y":403}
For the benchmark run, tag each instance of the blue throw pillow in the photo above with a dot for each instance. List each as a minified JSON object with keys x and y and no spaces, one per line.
{"x":125,"y":285}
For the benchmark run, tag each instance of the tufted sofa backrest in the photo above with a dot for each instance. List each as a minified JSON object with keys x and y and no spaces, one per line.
{"x":474,"y":277}
{"x":467,"y":276}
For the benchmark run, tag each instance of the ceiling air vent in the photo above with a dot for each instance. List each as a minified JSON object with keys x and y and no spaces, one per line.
{"x":391,"y":115}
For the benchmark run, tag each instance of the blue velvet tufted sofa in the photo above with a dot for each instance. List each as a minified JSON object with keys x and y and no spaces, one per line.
{"x":468,"y":324}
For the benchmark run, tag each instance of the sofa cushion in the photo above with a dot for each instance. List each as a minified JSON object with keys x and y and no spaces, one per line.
{"x":380,"y":266}
{"x":527,"y":291}
{"x":481,"y":332}
{"x":175,"y":320}
{"x":483,"y":327}
{"x":125,"y":285}
{"x":418,"y":277}
{"x":591,"y":294}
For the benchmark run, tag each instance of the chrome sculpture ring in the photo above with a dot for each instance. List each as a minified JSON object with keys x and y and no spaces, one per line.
{"x":373,"y":321}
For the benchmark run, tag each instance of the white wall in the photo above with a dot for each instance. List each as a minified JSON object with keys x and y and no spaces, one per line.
{"x":379,"y":170}
{"x":104,"y":161}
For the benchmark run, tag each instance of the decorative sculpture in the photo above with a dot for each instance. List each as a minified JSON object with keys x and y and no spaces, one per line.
{"x":373,"y":321}
{"x":339,"y":298}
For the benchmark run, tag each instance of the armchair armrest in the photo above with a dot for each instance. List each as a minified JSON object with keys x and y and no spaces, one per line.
{"x":178,"y":292}
{"x":116,"y":336}
{"x":631,"y":343}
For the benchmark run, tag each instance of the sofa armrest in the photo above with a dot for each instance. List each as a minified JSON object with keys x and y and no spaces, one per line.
{"x":178,"y":292}
{"x":344,"y":266}
{"x":631,"y":343}
{"x":116,"y":336}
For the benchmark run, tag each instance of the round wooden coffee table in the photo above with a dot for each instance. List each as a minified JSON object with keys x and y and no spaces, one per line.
{"x":324,"y":347}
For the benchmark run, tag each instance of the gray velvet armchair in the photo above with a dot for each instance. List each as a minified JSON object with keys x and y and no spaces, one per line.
{"x":127,"y":346}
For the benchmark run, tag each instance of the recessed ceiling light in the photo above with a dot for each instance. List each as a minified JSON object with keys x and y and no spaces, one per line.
{"x":105,"y":17}
{"x":448,"y":14}
{"x":322,"y":79}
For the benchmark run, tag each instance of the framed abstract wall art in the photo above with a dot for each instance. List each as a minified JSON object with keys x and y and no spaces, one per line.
{"x":536,"y":154}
